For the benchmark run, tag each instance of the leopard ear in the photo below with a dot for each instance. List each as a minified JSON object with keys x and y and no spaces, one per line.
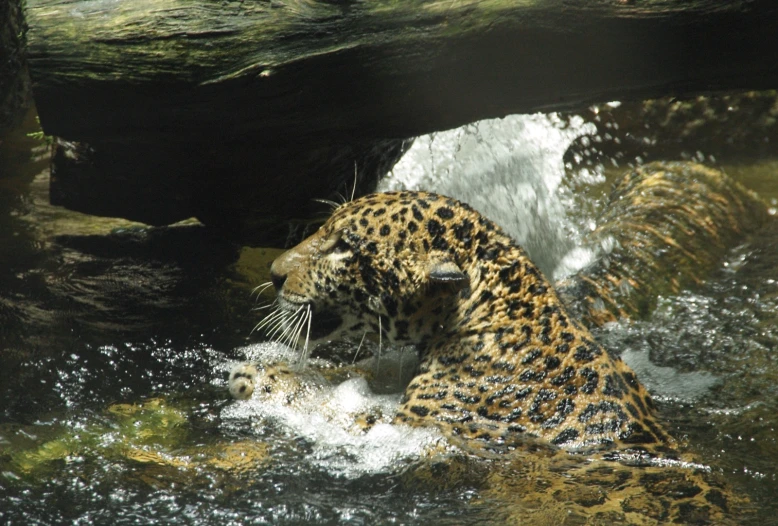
{"x":446,"y":272}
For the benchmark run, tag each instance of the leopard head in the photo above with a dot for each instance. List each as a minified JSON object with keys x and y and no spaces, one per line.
{"x":380,"y":264}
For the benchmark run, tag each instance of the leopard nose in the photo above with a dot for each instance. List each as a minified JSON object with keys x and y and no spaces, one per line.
{"x":279,"y":271}
{"x":277,"y":279}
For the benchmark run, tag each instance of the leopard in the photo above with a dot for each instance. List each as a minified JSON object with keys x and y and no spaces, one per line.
{"x":499,"y":354}
{"x":502,"y":364}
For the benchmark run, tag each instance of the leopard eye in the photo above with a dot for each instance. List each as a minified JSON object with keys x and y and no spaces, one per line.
{"x":332,"y":242}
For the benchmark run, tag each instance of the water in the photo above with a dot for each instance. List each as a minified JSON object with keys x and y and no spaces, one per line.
{"x":509,"y":169}
{"x":115,"y":340}
{"x":323,"y":411}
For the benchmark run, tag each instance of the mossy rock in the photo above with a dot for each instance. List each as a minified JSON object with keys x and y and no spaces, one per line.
{"x":153,"y":437}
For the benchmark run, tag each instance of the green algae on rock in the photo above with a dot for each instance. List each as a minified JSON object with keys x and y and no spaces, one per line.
{"x":146,"y":436}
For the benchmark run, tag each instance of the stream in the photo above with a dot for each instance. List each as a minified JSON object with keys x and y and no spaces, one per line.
{"x":116,"y":340}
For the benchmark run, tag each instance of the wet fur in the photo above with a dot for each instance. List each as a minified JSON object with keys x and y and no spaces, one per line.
{"x":500,"y":356}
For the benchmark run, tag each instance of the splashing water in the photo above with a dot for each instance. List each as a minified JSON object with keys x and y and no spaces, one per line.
{"x":157,"y":342}
{"x":323,"y":414}
{"x":666,"y":383}
{"x":511,"y":170}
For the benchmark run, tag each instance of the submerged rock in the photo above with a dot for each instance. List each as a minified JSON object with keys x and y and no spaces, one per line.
{"x":146,"y":436}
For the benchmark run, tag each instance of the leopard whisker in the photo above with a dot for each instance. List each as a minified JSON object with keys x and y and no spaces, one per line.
{"x":307,"y":338}
{"x":341,"y":198}
{"x":359,"y":347}
{"x":328,"y":202}
{"x":276,"y":326}
{"x":268,"y":319}
{"x":271,"y":316}
{"x":279,"y":321}
{"x":288,"y":336}
{"x":354,"y":188}
{"x":306,"y":320}
{"x":295,"y":338}
{"x":283,"y":323}
{"x":262,"y":322}
{"x":291,"y":328}
{"x":262,"y":287}
{"x":278,"y":329}
{"x":287,"y":328}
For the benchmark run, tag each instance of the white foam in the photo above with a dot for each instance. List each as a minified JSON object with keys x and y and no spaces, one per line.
{"x":576,"y":259}
{"x":381,"y":449}
{"x":325,"y":416}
